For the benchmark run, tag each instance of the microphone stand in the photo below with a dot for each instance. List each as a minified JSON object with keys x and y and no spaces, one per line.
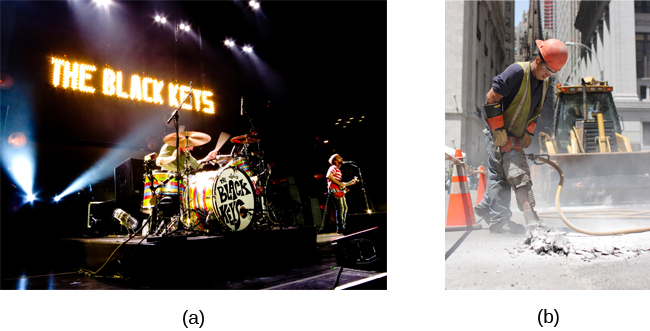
{"x":243,"y":108}
{"x":178,"y":151}
{"x":363,"y":188}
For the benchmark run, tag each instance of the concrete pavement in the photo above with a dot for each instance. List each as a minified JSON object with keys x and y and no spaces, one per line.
{"x":480,"y":260}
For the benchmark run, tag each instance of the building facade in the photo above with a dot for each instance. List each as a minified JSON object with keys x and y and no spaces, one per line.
{"x":479,"y":44}
{"x":520,"y":34}
{"x":616,"y":34}
{"x":548,"y":18}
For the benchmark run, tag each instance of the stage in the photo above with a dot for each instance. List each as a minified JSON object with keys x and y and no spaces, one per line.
{"x":294,"y":258}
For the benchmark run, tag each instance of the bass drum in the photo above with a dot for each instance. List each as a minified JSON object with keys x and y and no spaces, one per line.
{"x":169,"y":189}
{"x":222,"y":200}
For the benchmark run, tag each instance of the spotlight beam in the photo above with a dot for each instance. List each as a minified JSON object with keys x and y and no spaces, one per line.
{"x":105,"y":167}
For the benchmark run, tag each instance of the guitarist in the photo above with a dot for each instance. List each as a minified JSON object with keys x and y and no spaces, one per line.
{"x":337,"y":189}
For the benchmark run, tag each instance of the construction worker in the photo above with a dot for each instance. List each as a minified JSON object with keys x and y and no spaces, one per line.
{"x":512,"y":108}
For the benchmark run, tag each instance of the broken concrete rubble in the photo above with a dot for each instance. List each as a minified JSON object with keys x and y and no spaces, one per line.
{"x":544,"y":240}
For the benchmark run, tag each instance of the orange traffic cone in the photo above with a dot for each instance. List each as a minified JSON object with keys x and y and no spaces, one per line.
{"x":460,"y":214}
{"x":482,"y":184}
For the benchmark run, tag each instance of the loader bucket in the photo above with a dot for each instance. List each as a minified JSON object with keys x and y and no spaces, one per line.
{"x":602,"y":177}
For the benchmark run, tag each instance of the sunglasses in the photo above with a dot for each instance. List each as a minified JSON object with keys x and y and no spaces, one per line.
{"x":549,"y":71}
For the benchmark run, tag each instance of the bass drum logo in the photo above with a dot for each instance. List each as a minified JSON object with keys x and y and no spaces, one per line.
{"x":234,"y":199}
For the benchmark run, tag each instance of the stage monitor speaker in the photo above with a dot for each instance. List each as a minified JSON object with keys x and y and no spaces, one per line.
{"x":365,"y":250}
{"x":100,"y":218}
{"x":129,"y":182}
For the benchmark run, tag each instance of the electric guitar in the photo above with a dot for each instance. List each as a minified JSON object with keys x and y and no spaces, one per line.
{"x":338,"y":192}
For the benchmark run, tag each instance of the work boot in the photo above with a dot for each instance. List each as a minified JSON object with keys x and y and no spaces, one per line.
{"x":483,"y":212}
{"x":507,"y":226}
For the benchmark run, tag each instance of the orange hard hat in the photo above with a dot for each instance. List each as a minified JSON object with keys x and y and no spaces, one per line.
{"x":554,"y":52}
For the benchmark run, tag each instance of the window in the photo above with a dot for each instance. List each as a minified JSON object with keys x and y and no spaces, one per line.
{"x":507,"y":37}
{"x":507,"y":6}
{"x":646,"y":133}
{"x":507,"y":21}
{"x":508,"y":54}
{"x":642,"y":55}
{"x":642,"y":7}
{"x":642,"y":92}
{"x":596,"y":101}
{"x":478,"y":19}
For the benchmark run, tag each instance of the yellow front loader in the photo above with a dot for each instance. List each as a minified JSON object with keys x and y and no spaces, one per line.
{"x":587,"y":143}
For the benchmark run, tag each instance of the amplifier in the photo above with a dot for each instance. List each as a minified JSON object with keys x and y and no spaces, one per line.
{"x":129,"y":182}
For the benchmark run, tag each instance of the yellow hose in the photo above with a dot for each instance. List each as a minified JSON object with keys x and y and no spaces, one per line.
{"x":559,"y":210}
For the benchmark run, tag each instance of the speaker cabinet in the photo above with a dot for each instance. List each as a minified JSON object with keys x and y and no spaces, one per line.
{"x":129,"y":182}
{"x":364,"y":250}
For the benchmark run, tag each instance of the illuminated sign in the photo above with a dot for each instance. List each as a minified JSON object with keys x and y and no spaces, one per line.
{"x":79,"y":77}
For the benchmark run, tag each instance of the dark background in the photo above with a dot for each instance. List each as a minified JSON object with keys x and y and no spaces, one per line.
{"x":314,"y":63}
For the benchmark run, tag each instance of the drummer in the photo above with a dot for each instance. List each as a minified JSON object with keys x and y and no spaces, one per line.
{"x":167,"y":156}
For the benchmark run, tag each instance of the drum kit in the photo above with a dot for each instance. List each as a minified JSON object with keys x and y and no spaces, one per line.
{"x":229,"y":199}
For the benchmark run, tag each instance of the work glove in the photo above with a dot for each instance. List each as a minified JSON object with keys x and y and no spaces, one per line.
{"x":527,"y":140}
{"x":494,"y":119}
{"x":499,"y":137}
{"x":528,"y":134}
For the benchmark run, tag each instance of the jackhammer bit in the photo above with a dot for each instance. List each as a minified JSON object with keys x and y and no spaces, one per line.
{"x":532,"y":220}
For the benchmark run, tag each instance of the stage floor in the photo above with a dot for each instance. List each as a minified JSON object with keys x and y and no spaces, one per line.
{"x":313,"y":269}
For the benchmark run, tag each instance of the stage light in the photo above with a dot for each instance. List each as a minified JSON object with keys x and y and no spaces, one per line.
{"x":128,"y":221}
{"x":182,"y":26}
{"x":160,"y":19}
{"x":22,"y":170}
{"x":248,"y":49}
{"x":31,"y":197}
{"x":254,"y":4}
{"x":57,"y":198}
{"x":17,"y":139}
{"x":229,"y":42}
{"x":103,"y":3}
{"x":187,"y":28}
{"x":369,"y":211}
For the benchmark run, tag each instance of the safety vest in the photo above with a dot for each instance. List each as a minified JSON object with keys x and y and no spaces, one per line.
{"x":516,"y":117}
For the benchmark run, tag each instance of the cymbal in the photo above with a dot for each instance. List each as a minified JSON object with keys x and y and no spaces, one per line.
{"x":244,"y":139}
{"x":191,"y":138}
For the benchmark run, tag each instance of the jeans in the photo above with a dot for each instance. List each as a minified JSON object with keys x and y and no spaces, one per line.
{"x":501,"y":168}
{"x":341,"y":206}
